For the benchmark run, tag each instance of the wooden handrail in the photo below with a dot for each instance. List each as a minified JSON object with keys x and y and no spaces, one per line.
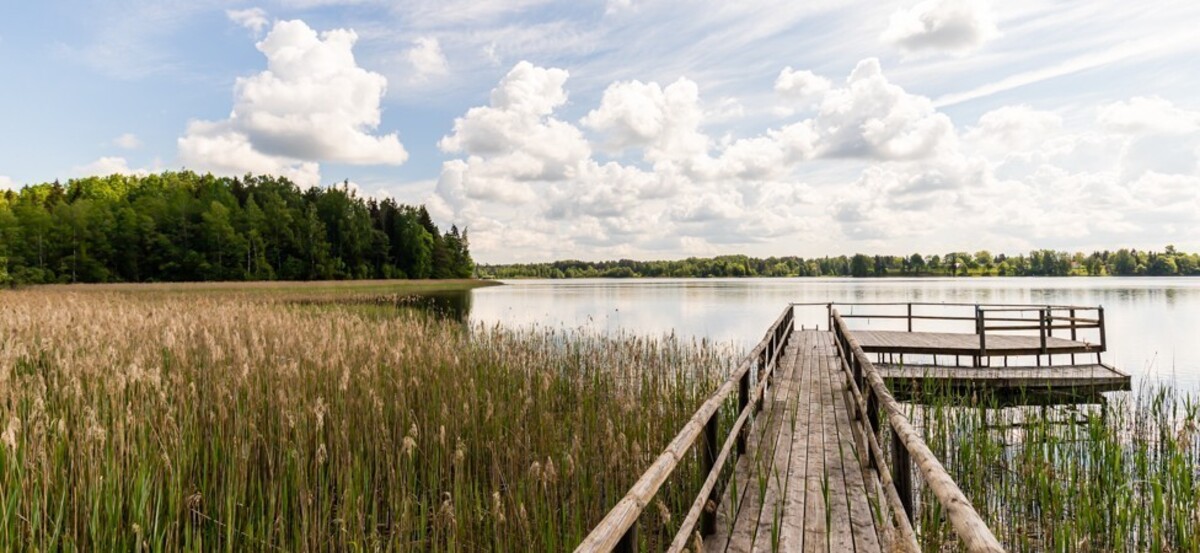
{"x":619,"y":526}
{"x":967,"y":523}
{"x":988,"y":306}
{"x":1045,"y":319}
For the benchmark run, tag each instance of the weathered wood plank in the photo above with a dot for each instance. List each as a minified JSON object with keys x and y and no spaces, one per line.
{"x":792,"y":531}
{"x":805,"y":448}
{"x":866,"y":534}
{"x":840,"y":532}
{"x":771,"y":514}
{"x":815,"y":497}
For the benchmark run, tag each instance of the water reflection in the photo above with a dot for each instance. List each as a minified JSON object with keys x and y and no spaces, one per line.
{"x":1153,"y":323}
{"x":453,"y":305}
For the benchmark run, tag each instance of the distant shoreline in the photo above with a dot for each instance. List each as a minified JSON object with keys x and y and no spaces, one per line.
{"x":819,"y":277}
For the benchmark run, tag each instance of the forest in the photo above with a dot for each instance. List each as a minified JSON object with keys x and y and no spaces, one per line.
{"x":1123,"y":262}
{"x":183,"y":226}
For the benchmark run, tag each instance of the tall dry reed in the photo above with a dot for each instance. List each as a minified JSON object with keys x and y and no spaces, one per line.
{"x":239,"y":422}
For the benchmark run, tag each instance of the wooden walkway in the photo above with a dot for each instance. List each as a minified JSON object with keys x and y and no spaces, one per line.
{"x":804,"y":485}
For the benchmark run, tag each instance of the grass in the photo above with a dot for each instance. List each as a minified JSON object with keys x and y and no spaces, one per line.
{"x":1118,"y":476}
{"x":250,"y":417}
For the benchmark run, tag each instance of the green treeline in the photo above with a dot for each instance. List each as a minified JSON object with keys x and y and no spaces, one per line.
{"x":1036,"y":263}
{"x":181,"y":226}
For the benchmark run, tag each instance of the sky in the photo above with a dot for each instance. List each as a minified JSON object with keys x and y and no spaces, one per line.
{"x":643,"y":129}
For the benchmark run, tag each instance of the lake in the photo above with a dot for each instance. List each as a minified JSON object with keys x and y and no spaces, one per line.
{"x":1153,"y":324}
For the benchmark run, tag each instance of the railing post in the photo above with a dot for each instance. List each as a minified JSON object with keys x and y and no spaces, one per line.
{"x":629,"y":540}
{"x":1100,"y":317}
{"x":1049,"y":321}
{"x":902,"y":474}
{"x":858,"y":377}
{"x":910,"y":316}
{"x":743,"y":401}
{"x":1043,"y":333}
{"x":981,"y":324}
{"x":762,"y":367}
{"x":1072,"y":324}
{"x":708,"y":519}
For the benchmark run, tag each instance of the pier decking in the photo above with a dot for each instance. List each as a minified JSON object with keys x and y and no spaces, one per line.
{"x":1078,"y":378}
{"x":816,"y":496}
{"x":808,"y":472}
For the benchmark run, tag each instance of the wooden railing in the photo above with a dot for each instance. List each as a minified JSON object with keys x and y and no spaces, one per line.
{"x":987,"y":319}
{"x":871,"y":396}
{"x":618,"y":530}
{"x":1013,"y":318}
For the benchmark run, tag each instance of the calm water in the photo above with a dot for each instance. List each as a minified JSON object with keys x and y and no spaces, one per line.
{"x":1153,"y":323}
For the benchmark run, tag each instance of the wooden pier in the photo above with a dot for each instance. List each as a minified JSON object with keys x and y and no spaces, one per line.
{"x":816,"y":496}
{"x":801,"y":467}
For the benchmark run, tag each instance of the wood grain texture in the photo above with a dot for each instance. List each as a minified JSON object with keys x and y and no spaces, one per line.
{"x":815,"y":497}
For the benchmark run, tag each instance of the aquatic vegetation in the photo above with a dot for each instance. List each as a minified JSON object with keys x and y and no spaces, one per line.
{"x":1122,"y":475}
{"x":245,"y":421}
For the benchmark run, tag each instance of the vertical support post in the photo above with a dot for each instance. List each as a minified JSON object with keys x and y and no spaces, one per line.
{"x":1072,"y":324}
{"x":829,"y":310}
{"x":743,"y":401}
{"x":1043,"y":333}
{"x":1103,"y":343}
{"x":902,"y":474}
{"x":629,"y":540}
{"x":981,"y":327}
{"x":910,"y":317}
{"x":762,"y":366}
{"x":708,"y":519}
{"x":1049,"y":321}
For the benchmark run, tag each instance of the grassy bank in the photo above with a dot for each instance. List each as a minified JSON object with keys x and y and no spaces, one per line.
{"x":229,"y":419}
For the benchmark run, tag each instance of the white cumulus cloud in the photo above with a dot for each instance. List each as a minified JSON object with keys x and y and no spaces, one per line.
{"x":254,"y":19}
{"x":128,"y":141}
{"x":6,"y":183}
{"x":801,"y":85}
{"x":1014,"y":128}
{"x":105,"y":166}
{"x":664,"y":121}
{"x":516,"y":135}
{"x":427,"y":58}
{"x":313,"y":103}
{"x":952,"y":26}
{"x":872,"y":118}
{"x":860,"y":163}
{"x":1148,"y":114}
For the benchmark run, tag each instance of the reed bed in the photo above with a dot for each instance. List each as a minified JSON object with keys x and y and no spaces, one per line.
{"x":241,"y":422}
{"x":1119,"y":475}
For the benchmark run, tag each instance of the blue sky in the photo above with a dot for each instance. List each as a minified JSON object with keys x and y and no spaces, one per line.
{"x":640,"y":128}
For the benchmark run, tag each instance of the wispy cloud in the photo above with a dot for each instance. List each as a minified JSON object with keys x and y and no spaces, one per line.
{"x":1125,"y":51}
